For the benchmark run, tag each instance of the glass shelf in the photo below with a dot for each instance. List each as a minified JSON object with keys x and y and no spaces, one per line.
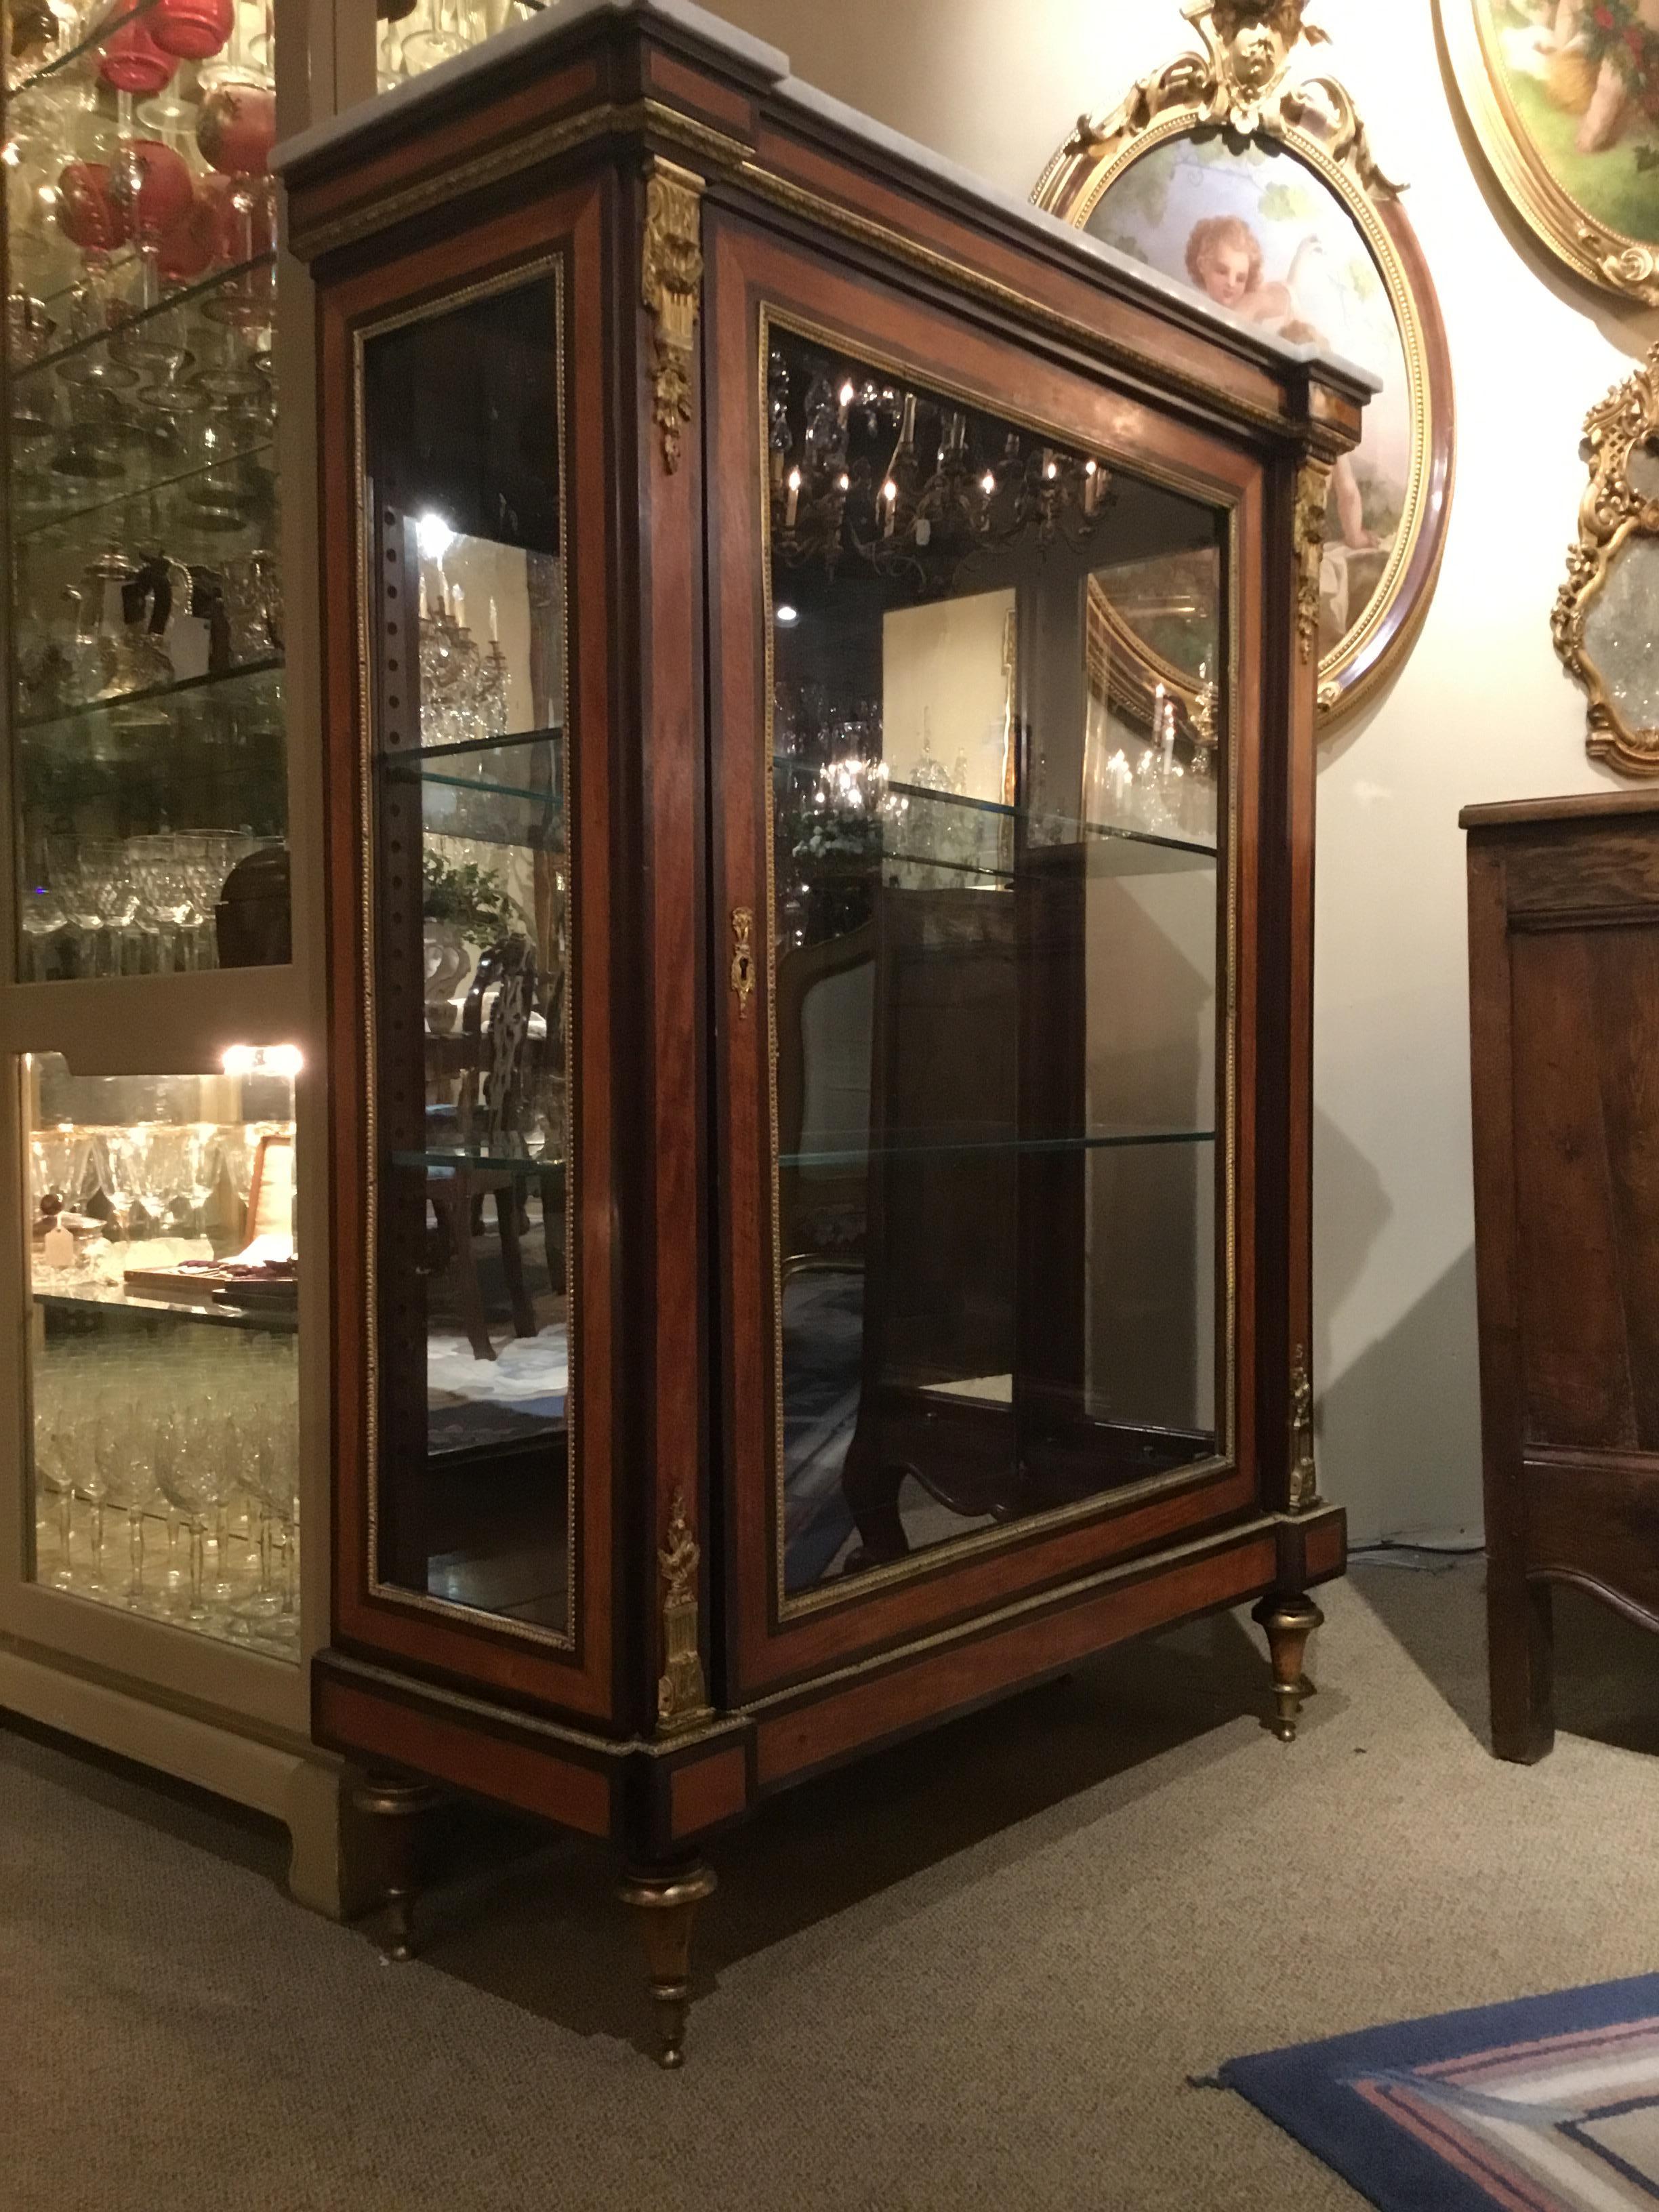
{"x":995,"y":1147}
{"x":493,"y":1163}
{"x":945,"y":806}
{"x":121,"y":330}
{"x":411,"y":764}
{"x":108,"y":1299}
{"x":62,"y":518}
{"x":498,"y":791}
{"x":94,"y":710}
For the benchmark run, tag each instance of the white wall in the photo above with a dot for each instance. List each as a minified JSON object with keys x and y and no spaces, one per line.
{"x":1482,"y":711}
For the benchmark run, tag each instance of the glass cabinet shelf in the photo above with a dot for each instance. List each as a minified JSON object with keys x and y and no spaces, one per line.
{"x":226,"y":1316}
{"x":103,"y":22}
{"x":125,"y":321}
{"x":92,"y":710}
{"x":460,"y":1156}
{"x":1001,"y":1147}
{"x":62,"y":513}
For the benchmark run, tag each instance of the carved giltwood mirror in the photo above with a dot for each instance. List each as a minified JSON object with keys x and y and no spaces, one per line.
{"x":1603,"y":623}
{"x":1233,"y":171}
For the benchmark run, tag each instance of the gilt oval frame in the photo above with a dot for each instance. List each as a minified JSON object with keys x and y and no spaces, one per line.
{"x":1078,"y":179}
{"x":1590,"y":247}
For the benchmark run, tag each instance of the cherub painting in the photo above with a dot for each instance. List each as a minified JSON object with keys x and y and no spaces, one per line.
{"x":1260,"y":234}
{"x":1224,"y":260}
{"x":1582,"y":79}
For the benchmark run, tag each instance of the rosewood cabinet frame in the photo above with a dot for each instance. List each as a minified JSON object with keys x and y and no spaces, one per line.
{"x":685,"y":184}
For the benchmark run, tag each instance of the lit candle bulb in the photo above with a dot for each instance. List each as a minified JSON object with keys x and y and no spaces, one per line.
{"x":792,"y":500}
{"x":1091,"y":486}
{"x":889,"y":494}
{"x":1118,"y":782}
{"x":494,"y":632}
{"x":459,"y":608}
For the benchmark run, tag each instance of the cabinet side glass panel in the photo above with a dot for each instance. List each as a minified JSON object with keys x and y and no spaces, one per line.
{"x":145,"y":617}
{"x":998,"y":777}
{"x":470,"y":996}
{"x":161,"y":1344}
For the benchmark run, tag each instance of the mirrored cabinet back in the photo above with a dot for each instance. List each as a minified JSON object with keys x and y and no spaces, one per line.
{"x":820,"y":669}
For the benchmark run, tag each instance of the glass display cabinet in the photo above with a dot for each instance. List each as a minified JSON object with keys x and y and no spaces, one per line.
{"x":819,"y":671}
{"x":164,"y":1379}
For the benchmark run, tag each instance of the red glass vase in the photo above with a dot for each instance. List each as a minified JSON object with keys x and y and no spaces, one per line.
{"x":237,"y":129}
{"x":132,"y":61}
{"x":89,"y":212}
{"x":191,"y":29}
{"x":157,"y":186}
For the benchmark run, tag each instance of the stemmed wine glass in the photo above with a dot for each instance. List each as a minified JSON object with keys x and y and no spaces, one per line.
{"x":55,"y":1455}
{"x":187,"y":1473}
{"x":128,"y":1479}
{"x":116,"y":1153}
{"x":205,"y":1161}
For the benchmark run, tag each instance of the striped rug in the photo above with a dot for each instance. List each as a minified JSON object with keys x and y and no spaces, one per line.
{"x":1547,"y":2105}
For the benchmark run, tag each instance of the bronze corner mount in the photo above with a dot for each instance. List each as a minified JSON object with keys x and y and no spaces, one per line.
{"x":670,"y":287}
{"x":1304,"y":1475}
{"x":1312,"y":486}
{"x":682,"y":1691}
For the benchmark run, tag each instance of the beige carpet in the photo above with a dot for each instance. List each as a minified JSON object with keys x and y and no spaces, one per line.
{"x":976,"y":1972}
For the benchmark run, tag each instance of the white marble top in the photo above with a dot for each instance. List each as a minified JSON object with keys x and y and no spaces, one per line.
{"x":434,"y":86}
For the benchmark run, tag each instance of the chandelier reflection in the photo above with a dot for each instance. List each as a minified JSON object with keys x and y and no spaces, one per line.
{"x":463,"y":689}
{"x":909,"y":486}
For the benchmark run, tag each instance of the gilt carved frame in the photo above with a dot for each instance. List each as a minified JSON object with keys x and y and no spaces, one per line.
{"x":1615,"y":512}
{"x":1248,"y":84}
{"x":1589,"y":246}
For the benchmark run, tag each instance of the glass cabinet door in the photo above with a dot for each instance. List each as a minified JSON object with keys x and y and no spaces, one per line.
{"x":995,"y":917}
{"x":145,"y":617}
{"x":991,"y":1053}
{"x":469,"y":866}
{"x":162,"y":1345}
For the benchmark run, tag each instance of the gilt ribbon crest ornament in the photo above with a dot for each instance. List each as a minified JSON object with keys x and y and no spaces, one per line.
{"x":1243,"y":82}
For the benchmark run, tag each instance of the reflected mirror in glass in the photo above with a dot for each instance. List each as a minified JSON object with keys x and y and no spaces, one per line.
{"x":472,"y":954}
{"x":163,"y":1374}
{"x":998,"y":769}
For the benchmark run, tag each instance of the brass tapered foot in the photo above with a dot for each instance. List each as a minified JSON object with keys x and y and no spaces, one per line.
{"x":1289,"y":1618}
{"x":664,"y":1900}
{"x":396,"y":1803}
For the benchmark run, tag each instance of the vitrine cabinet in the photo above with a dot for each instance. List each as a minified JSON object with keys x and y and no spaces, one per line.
{"x":819,"y":685}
